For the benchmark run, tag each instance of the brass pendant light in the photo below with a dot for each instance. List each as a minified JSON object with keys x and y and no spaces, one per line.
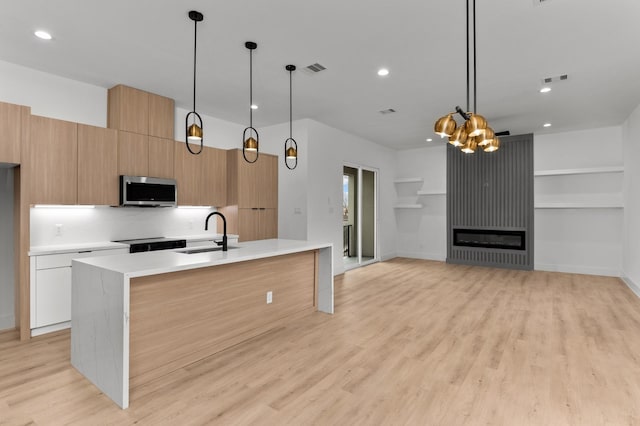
{"x":474,"y":131}
{"x":290,"y":145}
{"x":249,"y":142}
{"x":193,"y":132}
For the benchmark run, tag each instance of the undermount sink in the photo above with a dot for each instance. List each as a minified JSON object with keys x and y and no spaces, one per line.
{"x":204,"y":250}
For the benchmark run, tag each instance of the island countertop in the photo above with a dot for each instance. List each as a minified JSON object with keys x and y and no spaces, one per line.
{"x":165,"y":261}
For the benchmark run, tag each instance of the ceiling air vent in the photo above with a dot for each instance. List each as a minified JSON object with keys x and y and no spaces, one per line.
{"x":555,"y":79}
{"x":315,"y":67}
{"x":387,"y":111}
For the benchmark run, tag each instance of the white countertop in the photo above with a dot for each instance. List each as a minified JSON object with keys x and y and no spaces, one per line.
{"x":107,"y":245}
{"x":164,"y":261}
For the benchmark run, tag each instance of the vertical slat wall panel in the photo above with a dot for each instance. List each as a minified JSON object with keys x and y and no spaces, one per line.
{"x":492,"y":191}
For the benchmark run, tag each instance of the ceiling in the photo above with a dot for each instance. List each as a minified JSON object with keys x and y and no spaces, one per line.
{"x":148,"y":44}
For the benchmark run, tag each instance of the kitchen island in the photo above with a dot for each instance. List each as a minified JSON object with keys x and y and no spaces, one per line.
{"x":137,"y":317}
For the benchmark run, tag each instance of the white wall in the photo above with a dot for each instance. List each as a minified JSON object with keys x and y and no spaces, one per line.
{"x":7,"y":285}
{"x":329,"y":150}
{"x":422,"y":233}
{"x":51,"y":96}
{"x":631,"y":258}
{"x":579,"y":240}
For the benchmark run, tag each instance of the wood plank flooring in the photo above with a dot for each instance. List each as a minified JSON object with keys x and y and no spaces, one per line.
{"x":412,"y":342}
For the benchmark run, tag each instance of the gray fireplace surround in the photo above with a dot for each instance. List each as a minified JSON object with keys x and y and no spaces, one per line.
{"x":490,"y":212}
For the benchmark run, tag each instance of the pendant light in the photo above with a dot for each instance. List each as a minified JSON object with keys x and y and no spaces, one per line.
{"x":249,"y":142}
{"x":193,"y":132}
{"x":475,"y":130}
{"x":290,"y":145}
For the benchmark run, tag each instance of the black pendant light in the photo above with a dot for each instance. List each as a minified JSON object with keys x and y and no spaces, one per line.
{"x":193,"y":132}
{"x":290,"y":145}
{"x":249,"y":142}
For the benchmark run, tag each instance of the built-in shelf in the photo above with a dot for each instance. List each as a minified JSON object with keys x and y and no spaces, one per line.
{"x":609,"y":169}
{"x":432,"y":192}
{"x":579,"y":206}
{"x":409,"y":180}
{"x":407,"y":206}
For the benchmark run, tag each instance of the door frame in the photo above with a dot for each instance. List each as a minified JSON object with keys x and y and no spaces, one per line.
{"x":376,"y":208}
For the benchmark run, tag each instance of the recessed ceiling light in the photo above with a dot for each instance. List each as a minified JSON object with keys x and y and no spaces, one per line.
{"x":546,"y":125}
{"x":43,"y":35}
{"x":254,"y":106}
{"x":429,"y":140}
{"x":382,"y":72}
{"x":545,"y":90}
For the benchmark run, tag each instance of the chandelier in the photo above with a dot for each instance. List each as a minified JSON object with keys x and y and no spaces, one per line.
{"x":474,"y":131}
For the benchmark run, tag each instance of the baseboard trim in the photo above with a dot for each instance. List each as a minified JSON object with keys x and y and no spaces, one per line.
{"x":386,"y":257}
{"x":577,"y":269}
{"x":635,"y":288}
{"x":423,"y":256}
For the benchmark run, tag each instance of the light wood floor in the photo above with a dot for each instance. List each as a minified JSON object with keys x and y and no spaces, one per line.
{"x":412,"y":342}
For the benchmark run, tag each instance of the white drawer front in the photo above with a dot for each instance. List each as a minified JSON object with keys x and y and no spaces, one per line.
{"x":53,"y":296}
{"x":64,"y":259}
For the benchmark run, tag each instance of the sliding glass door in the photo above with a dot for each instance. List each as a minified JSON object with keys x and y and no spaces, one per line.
{"x":359,"y":216}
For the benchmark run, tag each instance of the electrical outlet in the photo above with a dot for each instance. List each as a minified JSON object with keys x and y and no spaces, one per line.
{"x":269,"y":297}
{"x":58,"y":229}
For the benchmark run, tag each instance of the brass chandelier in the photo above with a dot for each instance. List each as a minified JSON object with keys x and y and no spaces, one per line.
{"x":474,"y":132}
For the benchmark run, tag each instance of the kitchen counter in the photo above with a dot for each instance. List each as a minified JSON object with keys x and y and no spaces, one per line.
{"x":136,"y":317}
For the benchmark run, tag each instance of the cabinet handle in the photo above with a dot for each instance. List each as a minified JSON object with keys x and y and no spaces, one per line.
{"x":86,"y":251}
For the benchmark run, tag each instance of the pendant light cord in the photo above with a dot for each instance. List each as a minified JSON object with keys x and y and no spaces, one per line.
{"x":195,"y":41}
{"x":290,"y":105}
{"x":475,"y":85}
{"x":468,"y":76}
{"x":250,"y":88}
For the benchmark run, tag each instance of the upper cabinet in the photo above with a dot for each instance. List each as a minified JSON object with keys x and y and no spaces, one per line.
{"x":53,"y":161}
{"x":201,"y":178}
{"x":12,"y":120}
{"x":97,"y":165}
{"x":252,"y":185}
{"x":137,"y":111}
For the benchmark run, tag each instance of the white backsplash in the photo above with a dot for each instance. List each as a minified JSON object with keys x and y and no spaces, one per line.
{"x":85,"y":225}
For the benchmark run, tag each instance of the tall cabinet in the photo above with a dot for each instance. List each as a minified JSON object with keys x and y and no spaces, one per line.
{"x":252,"y":197}
{"x":11,"y":117}
{"x":145,"y":124}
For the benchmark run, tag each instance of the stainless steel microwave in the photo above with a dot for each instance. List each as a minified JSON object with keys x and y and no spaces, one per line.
{"x":145,"y":191}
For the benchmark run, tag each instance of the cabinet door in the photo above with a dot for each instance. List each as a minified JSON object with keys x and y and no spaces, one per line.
{"x":161,"y":152}
{"x":53,"y":161}
{"x":128,"y":110}
{"x":161,"y":116}
{"x":188,"y":175}
{"x":97,"y":165}
{"x":247,"y":181}
{"x":53,"y":296}
{"x":268,"y":226}
{"x":10,"y":132}
{"x":248,"y":224}
{"x":215,"y":177}
{"x":133,"y":154}
{"x":267,"y":183}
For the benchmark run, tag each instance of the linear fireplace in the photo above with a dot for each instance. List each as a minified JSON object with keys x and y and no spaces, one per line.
{"x":489,"y":238}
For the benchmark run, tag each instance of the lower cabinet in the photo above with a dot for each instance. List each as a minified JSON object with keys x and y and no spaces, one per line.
{"x":51,"y":289}
{"x":257,"y":224}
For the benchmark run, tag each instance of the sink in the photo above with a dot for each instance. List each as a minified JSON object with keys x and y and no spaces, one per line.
{"x":204,"y":250}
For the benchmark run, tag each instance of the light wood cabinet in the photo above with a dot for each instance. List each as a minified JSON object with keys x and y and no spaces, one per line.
{"x":53,"y":161}
{"x":161,"y":152}
{"x":256,"y":224}
{"x":161,"y":116}
{"x":128,"y":109}
{"x":97,"y":165}
{"x":252,"y":184}
{"x":11,"y":117}
{"x":201,"y":178}
{"x":252,"y":197}
{"x":133,"y":154}
{"x":136,"y":111}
